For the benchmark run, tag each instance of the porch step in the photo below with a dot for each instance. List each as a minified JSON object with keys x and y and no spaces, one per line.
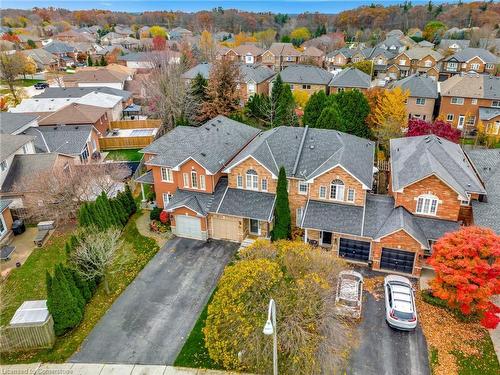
{"x":246,"y":242}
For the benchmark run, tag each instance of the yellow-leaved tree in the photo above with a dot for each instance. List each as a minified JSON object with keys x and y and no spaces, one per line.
{"x":242,"y":38}
{"x":207,"y":46}
{"x":301,"y":97}
{"x":389,"y":115}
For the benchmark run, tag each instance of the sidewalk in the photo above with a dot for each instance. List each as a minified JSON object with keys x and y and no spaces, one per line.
{"x":495,"y":333}
{"x":103,"y":369}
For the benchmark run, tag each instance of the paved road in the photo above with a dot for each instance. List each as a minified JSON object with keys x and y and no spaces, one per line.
{"x":151,"y":320}
{"x":383,"y":350}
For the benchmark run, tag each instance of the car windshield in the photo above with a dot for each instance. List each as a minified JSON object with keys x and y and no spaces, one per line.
{"x":403,"y":315}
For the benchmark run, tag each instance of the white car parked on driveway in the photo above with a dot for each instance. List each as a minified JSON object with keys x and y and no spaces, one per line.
{"x":400,"y":309}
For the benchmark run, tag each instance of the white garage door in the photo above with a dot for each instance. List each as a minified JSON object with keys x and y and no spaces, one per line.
{"x":187,"y":226}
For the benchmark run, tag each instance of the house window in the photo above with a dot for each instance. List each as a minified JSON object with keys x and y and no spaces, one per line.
{"x":302,"y":187}
{"x":402,"y":62}
{"x":239,"y":181}
{"x":471,"y":120}
{"x":489,"y":66}
{"x":465,"y":202}
{"x":322,"y":192}
{"x":263,"y":184}
{"x":288,"y":58}
{"x":474,"y":66}
{"x":420,"y":101}
{"x":495,"y":103}
{"x":3,"y":227}
{"x":166,"y":174}
{"x":473,"y":101}
{"x":251,"y":88}
{"x":452,"y":66}
{"x":291,"y":87}
{"x":194,"y":180}
{"x":306,"y":87}
{"x":457,"y":101}
{"x":340,"y":89}
{"x":298,"y":219}
{"x":351,"y":194}
{"x":427,"y":204}
{"x":185,"y":177}
{"x":3,"y":165}
{"x":166,"y":199}
{"x":449,"y":117}
{"x":337,"y":190}
{"x":252,"y":182}
{"x":428,"y":63}
{"x":249,"y":59}
{"x":202,"y":182}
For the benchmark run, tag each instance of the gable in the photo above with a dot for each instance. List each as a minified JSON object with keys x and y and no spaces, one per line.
{"x":429,"y":184}
{"x":332,"y":174}
{"x":249,"y":163}
{"x":402,"y":239}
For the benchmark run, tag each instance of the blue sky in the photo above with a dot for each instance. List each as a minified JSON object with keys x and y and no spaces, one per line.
{"x":282,"y":6}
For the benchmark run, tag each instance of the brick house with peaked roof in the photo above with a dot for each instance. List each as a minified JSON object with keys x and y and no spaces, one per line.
{"x":309,"y":78}
{"x":477,"y":60}
{"x":423,"y":95}
{"x":280,"y":55}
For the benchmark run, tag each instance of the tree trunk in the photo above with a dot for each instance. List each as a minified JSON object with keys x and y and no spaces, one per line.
{"x":106,"y":285}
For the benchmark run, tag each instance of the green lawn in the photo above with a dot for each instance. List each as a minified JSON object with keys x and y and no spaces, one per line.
{"x":24,"y":82}
{"x":124,"y":155}
{"x":484,"y":364}
{"x":133,"y":255}
{"x":194,"y":354}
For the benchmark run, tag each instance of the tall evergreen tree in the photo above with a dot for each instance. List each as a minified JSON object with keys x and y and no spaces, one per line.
{"x":75,"y":291}
{"x":131,"y":200}
{"x":89,"y":61}
{"x":317,"y":102}
{"x":282,"y":219}
{"x":353,"y":109}
{"x":103,"y":61}
{"x":285,"y":110}
{"x":81,"y":284}
{"x":277,"y":89}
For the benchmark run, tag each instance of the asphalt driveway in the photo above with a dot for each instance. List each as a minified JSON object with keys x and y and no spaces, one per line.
{"x":150,"y":321}
{"x":383,"y":350}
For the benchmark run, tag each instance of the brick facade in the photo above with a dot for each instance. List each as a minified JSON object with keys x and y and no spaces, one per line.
{"x":469,"y":110}
{"x":421,"y":111}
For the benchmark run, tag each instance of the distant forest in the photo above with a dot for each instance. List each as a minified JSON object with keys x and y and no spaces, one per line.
{"x":367,"y":18}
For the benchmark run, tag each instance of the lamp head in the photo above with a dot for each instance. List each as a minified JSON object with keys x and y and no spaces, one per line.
{"x":268,"y":328}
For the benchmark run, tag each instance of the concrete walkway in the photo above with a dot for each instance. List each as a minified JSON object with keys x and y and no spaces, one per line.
{"x":495,"y":333}
{"x":24,"y":247}
{"x":142,"y":224}
{"x":104,"y":369}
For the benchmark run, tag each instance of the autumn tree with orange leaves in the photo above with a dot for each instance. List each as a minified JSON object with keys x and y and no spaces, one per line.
{"x":467,"y":266}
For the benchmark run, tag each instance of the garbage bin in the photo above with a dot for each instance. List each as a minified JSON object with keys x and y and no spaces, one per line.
{"x":18,"y":227}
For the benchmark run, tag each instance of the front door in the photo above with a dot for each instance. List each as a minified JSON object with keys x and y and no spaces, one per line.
{"x":461,"y":122}
{"x":326,"y":238}
{"x":254,"y":226}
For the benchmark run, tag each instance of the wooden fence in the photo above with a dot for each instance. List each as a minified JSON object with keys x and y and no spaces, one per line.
{"x":135,"y":124}
{"x":24,"y":337}
{"x":120,"y":143}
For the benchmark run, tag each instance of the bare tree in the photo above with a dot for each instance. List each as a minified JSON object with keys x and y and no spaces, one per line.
{"x":55,"y":75}
{"x":95,"y":254}
{"x":166,"y":89}
{"x":57,"y":193}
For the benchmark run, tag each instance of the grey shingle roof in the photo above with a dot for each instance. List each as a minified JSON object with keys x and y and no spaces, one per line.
{"x":246,"y":203}
{"x":195,"y":201}
{"x":351,"y":77}
{"x":11,"y":143}
{"x":487,"y":212}
{"x":486,"y":113}
{"x":212,"y":144}
{"x":27,"y":166}
{"x":333,"y":217}
{"x":67,"y":139}
{"x":420,"y":86}
{"x":472,"y":85}
{"x":257,"y":73}
{"x":78,"y":92}
{"x":203,"y":69}
{"x":414,"y":158}
{"x":4,"y":203}
{"x":11,"y":123}
{"x":146,"y":178}
{"x":305,"y":74}
{"x":321,"y":150}
{"x":399,"y":219}
{"x":468,"y":53}
{"x":59,"y":48}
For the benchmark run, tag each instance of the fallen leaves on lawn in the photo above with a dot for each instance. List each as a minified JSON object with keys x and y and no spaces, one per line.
{"x":446,"y":333}
{"x":374,"y":286}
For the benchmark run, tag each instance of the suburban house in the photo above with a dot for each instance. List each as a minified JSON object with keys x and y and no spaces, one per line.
{"x":179,"y":33}
{"x":81,"y":92}
{"x":312,"y":55}
{"x":43,"y":59}
{"x":490,"y":119}
{"x":244,"y":53}
{"x":16,"y":123}
{"x":423,"y":94}
{"x":326,"y":42}
{"x":336,"y":60}
{"x":186,"y":167}
{"x":464,"y":94}
{"x":477,"y":60}
{"x":349,"y":79}
{"x":485,"y":209}
{"x":280,"y":55}
{"x":12,"y":145}
{"x":309,"y":78}
{"x":393,"y":44}
{"x":79,"y":141}
{"x":64,"y":52}
{"x":74,"y":36}
{"x":146,"y":61}
{"x":5,"y":220}
{"x":380,"y":59}
{"x":415,"y":60}
{"x":113,"y":76}
{"x":453,"y":45}
{"x":254,"y":79}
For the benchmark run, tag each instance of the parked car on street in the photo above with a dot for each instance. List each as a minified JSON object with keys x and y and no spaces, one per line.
{"x":41,"y":85}
{"x":400,"y":309}
{"x":349,"y":296}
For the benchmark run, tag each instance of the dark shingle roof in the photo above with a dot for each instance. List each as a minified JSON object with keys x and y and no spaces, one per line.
{"x":59,"y":47}
{"x":212,"y":144}
{"x":351,"y":77}
{"x":11,"y":123}
{"x":4,"y":203}
{"x":27,"y":166}
{"x":305,"y":74}
{"x":320,"y":151}
{"x":333,"y":217}
{"x":420,"y":86}
{"x":67,"y":139}
{"x":203,"y":69}
{"x":9,"y":144}
{"x":246,"y":203}
{"x":414,"y":158}
{"x":257,"y":73}
{"x":469,"y":53}
{"x":486,"y":113}
{"x":487,"y":163}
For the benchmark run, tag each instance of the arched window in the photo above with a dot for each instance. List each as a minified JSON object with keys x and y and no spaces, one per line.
{"x":252,"y":180}
{"x":337,"y":190}
{"x":427,"y":204}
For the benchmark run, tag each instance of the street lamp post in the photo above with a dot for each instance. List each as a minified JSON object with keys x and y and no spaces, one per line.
{"x":271,"y":329}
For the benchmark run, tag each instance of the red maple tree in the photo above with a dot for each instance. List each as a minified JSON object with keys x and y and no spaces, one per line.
{"x":11,"y":38}
{"x":440,"y":128}
{"x":467,"y":266}
{"x":159,"y":43}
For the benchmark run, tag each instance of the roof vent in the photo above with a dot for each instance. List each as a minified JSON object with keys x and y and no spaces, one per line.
{"x":311,"y":147}
{"x":207,"y":129}
{"x":203,"y":154}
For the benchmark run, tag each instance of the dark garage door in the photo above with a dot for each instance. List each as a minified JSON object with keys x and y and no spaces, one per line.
{"x":354,"y":250}
{"x":397,"y":260}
